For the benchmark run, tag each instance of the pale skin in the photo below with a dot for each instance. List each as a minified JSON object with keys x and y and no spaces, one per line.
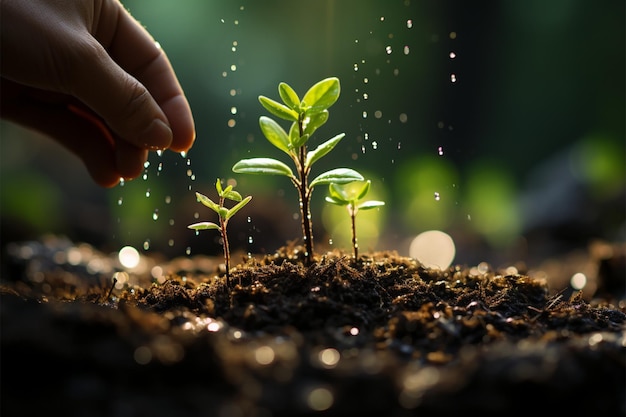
{"x":88,"y":75}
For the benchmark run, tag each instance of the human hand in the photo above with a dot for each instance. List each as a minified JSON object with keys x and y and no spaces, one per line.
{"x":87,"y":74}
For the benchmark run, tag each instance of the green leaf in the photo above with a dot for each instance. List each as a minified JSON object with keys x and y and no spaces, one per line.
{"x":263,"y":166}
{"x":278,"y":110}
{"x":274,"y":133}
{"x":223,"y":212}
{"x":232,"y":195}
{"x":336,"y":201}
{"x":207,"y":202}
{"x":238,"y":207}
{"x":204,"y":226}
{"x":322,"y":149}
{"x":218,"y":187}
{"x":370,"y":204}
{"x":289,"y":96}
{"x":364,"y":190}
{"x":294,"y":137}
{"x":322,"y":95}
{"x":338,"y":192}
{"x":337,"y":175}
{"x":314,"y":121}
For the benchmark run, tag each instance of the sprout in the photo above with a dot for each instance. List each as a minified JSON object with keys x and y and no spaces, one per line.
{"x":306,"y":116}
{"x":342,"y":196}
{"x":224,"y":215}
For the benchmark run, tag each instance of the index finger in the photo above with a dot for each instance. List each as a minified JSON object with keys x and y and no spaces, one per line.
{"x":135,"y":50}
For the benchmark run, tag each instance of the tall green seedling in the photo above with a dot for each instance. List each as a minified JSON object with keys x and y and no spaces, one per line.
{"x":306,"y":116}
{"x":224,"y":214}
{"x":350,"y":197}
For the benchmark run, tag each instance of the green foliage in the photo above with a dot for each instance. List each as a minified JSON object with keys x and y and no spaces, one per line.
{"x":306,"y":116}
{"x":224,"y":214}
{"x":350,"y":197}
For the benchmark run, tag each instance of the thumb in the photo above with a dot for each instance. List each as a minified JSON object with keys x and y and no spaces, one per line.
{"x":125,"y":105}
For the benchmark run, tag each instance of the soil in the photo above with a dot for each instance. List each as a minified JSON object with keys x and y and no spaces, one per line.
{"x":377,"y":336}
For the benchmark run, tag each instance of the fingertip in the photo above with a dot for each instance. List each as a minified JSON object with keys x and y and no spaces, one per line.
{"x":181,"y":121}
{"x":129,"y":160}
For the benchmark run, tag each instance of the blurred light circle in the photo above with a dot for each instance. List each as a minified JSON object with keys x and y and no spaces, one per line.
{"x":129,"y":257}
{"x":433,"y":248}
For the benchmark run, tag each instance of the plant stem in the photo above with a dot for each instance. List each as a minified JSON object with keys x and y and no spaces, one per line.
{"x":305,"y":197}
{"x":225,"y":245}
{"x":355,"y":245}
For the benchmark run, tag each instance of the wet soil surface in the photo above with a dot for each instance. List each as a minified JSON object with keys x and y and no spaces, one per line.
{"x":379,"y":336}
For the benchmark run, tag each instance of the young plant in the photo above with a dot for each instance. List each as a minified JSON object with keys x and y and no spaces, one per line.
{"x":224,"y":215}
{"x":350,"y":197}
{"x":306,"y":115}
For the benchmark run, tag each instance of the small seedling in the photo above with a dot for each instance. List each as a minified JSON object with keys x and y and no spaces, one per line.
{"x":349,"y":197}
{"x":306,"y":115}
{"x":224,"y":215}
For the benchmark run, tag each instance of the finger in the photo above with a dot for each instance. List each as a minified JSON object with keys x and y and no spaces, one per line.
{"x":132,"y":48}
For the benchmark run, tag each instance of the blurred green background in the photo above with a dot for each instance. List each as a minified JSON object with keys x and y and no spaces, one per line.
{"x":500,"y":123}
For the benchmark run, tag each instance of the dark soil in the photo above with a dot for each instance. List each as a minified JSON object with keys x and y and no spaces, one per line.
{"x":380,"y":336}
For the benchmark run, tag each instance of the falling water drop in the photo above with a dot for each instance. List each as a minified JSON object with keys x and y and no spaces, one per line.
{"x":159,"y":152}
{"x":452,"y":55}
{"x":188,"y":250}
{"x":155,"y":214}
{"x":146,"y":244}
{"x":120,"y":201}
{"x":365,"y":115}
{"x":437,"y":196}
{"x":453,"y":78}
{"x":409,"y":23}
{"x":440,"y":150}
{"x":388,"y":50}
{"x":374,"y":145}
{"x":168,"y":199}
{"x":148,"y":192}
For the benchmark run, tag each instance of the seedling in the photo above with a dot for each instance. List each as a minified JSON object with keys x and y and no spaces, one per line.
{"x":224,"y":216}
{"x":349,"y":197}
{"x":306,"y":115}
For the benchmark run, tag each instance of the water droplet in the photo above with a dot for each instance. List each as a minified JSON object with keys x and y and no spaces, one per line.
{"x":365,"y":115}
{"x":406,"y":49}
{"x":159,"y":152}
{"x":356,"y":67}
{"x":399,"y":145}
{"x":374,"y":145}
{"x":249,"y":219}
{"x":170,"y":243}
{"x":365,"y":80}
{"x":120,"y":201}
{"x":437,"y":196}
{"x":388,"y":50}
{"x":362,"y":148}
{"x":452,"y":55}
{"x":233,"y":110}
{"x":440,"y":150}
{"x":365,"y":96}
{"x":453,"y":78}
{"x":155,"y":214}
{"x":148,"y":192}
{"x":183,"y":154}
{"x":122,"y":182}
{"x":145,"y":176}
{"x":168,"y":199}
{"x":452,"y":35}
{"x":146,"y":164}
{"x":146,"y":244}
{"x":250,"y":239}
{"x":188,"y":250}
{"x":409,"y":23}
